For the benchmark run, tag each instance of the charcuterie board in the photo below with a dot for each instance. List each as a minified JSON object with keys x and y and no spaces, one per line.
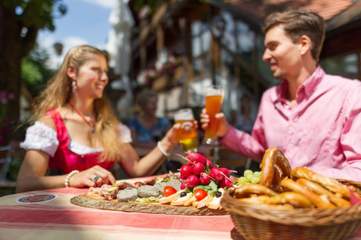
{"x":155,"y":208}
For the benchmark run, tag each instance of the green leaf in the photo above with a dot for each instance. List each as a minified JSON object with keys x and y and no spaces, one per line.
{"x":213,"y":186}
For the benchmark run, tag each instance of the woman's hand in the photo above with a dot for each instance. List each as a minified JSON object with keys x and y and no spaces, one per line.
{"x":223,"y":125}
{"x":92,"y":177}
{"x":171,"y":138}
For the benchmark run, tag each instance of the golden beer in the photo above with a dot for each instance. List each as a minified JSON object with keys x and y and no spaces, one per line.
{"x":187,"y":133}
{"x":213,"y":102}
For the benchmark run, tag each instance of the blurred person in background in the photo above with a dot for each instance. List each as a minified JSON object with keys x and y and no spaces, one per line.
{"x":147,"y":128}
{"x":76,"y":134}
{"x":313,"y":117}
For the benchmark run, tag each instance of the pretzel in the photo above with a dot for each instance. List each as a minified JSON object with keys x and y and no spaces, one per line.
{"x":295,"y":199}
{"x":252,"y":189}
{"x":329,"y":183}
{"x":265,"y":201}
{"x":319,"y":201}
{"x":287,"y":199}
{"x":274,"y":167}
{"x":314,"y":187}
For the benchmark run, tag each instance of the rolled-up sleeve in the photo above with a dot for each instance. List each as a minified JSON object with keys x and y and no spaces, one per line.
{"x":252,"y":146}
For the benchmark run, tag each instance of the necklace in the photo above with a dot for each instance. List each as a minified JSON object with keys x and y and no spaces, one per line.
{"x":89,"y":123}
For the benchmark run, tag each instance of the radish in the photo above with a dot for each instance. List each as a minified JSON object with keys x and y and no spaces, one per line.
{"x":226,"y":182}
{"x":197,"y":157}
{"x":192,"y":181}
{"x":216,"y":174}
{"x":226,"y":171}
{"x":209,"y":163}
{"x":185,"y":171}
{"x":204,"y":179}
{"x":198,"y":168}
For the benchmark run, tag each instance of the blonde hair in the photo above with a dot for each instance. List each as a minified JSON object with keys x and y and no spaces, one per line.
{"x":59,"y":91}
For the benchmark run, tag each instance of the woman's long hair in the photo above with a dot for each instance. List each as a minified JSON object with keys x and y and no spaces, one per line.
{"x":59,"y":91}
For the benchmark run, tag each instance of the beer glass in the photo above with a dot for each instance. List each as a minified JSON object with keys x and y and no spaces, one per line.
{"x":187,"y":134}
{"x":213,"y":102}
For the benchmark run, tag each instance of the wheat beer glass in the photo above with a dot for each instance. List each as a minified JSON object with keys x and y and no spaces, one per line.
{"x":213,"y":102}
{"x":187,"y":133}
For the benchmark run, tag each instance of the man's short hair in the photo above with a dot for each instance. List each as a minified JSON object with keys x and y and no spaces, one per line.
{"x":297,"y":23}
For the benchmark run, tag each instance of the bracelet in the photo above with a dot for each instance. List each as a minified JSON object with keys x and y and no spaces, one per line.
{"x":161,"y":149}
{"x":68,"y":177}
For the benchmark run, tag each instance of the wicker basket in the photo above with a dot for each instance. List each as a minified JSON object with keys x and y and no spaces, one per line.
{"x":258,"y":222}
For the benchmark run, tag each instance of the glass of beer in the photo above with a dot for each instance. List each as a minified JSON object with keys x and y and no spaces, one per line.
{"x":187,"y":133}
{"x":213,"y":102}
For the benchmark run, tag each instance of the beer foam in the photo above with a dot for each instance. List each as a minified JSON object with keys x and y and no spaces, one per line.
{"x":184,"y":115}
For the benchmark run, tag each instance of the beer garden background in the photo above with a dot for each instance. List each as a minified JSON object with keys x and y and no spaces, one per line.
{"x":176,"y":48}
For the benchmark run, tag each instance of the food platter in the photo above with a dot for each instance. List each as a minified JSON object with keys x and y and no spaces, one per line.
{"x":196,"y":190}
{"x":155,"y":208}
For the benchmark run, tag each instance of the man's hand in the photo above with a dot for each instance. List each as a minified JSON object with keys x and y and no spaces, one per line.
{"x":223,"y":125}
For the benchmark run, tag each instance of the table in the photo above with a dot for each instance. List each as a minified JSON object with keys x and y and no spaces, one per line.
{"x":57,"y":218}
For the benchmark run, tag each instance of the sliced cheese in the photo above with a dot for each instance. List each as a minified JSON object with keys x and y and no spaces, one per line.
{"x":182,"y":200}
{"x":169,"y":199}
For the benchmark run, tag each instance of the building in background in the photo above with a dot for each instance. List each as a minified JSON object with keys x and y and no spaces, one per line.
{"x":179,"y":47}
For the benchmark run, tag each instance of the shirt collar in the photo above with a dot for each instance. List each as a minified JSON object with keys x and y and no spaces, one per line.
{"x":306,"y":89}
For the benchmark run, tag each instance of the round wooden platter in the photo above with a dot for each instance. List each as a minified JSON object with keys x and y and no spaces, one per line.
{"x":155,"y":208}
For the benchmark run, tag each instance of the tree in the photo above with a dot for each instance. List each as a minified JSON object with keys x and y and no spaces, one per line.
{"x":35,"y":71}
{"x":20,"y":22}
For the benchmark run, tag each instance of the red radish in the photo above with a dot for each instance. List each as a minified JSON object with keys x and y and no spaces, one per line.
{"x":192,"y":181}
{"x":182,"y":186}
{"x":185,"y":171}
{"x":204,"y":179}
{"x":216,"y":174}
{"x":226,"y":171}
{"x":226,"y":182}
{"x":196,"y":157}
{"x":198,"y":168}
{"x":209,"y":163}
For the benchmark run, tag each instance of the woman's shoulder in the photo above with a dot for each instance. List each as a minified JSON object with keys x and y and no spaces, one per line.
{"x":51,"y":118}
{"x":40,"y":136}
{"x":47,"y":120}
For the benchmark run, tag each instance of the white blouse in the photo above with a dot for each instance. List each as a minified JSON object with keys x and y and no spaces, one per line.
{"x":42,"y":137}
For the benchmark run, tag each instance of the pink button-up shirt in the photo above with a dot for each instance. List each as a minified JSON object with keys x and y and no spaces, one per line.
{"x":323,"y":131}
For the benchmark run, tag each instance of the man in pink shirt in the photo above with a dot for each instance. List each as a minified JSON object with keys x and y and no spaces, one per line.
{"x":314,"y":118}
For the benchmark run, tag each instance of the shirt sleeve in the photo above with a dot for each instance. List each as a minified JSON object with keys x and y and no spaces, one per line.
{"x":40,"y":137}
{"x":252,"y":146}
{"x":350,"y":168}
{"x":125,"y":134}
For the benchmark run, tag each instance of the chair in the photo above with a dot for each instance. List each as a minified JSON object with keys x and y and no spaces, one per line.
{"x":6,"y":157}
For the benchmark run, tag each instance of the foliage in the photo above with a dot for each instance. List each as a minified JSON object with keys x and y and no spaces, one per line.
{"x":37,"y":13}
{"x":152,"y":4}
{"x":34,"y":70}
{"x":20,"y":22}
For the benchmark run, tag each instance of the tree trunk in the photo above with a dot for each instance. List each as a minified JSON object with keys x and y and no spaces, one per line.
{"x":10,"y":68}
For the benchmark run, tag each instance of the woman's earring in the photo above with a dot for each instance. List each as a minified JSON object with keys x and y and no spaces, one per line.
{"x":74,"y":86}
